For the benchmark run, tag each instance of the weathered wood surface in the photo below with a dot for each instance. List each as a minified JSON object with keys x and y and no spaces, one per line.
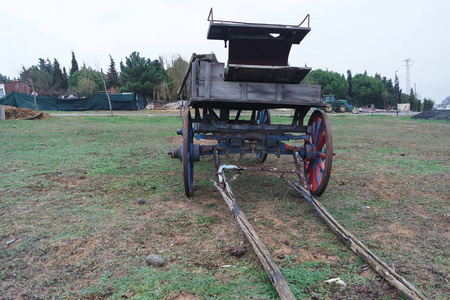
{"x":273,"y":74}
{"x":194,"y":57}
{"x":220,"y":30}
{"x":266,"y":259}
{"x":359,"y":248}
{"x":210,"y":86}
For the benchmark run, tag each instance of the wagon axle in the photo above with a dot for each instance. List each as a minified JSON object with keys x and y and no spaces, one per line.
{"x":243,"y":144}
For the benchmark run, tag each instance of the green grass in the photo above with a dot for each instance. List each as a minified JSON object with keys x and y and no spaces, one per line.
{"x":146,"y":283}
{"x":69,"y":189}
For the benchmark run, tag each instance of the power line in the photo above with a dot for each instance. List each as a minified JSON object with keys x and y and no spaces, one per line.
{"x":430,"y":87}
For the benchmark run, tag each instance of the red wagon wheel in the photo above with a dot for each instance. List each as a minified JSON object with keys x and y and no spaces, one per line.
{"x":319,"y":149}
{"x":187,"y":156}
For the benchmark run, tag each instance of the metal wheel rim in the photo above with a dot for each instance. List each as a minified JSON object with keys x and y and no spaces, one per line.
{"x":187,"y":159}
{"x":317,"y":172}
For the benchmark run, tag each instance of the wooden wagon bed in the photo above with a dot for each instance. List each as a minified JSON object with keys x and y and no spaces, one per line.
{"x":257,"y":75}
{"x":208,"y":86}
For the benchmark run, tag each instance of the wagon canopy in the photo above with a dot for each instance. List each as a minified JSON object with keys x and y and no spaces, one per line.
{"x":259,"y":52}
{"x":257,"y":44}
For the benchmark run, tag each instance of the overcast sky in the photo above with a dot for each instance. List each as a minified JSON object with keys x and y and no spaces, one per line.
{"x":373,"y":36}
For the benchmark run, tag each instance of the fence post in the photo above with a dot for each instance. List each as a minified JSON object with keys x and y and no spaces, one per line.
{"x":2,"y":113}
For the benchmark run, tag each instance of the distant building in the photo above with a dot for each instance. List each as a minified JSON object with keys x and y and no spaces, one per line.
{"x":13,"y":86}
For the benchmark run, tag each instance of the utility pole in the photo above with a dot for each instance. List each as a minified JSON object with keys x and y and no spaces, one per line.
{"x":408,"y":62}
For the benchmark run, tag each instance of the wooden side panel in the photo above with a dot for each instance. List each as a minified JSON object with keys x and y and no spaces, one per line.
{"x":211,"y":87}
{"x":217,"y":71}
{"x":264,"y":91}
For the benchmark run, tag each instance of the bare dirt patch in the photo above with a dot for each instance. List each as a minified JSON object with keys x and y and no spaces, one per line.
{"x":176,"y":140}
{"x":182,"y":296}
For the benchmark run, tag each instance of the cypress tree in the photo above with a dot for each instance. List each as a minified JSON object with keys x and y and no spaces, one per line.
{"x":65,"y":83}
{"x":349,"y":80}
{"x":112,"y":77}
{"x":58,"y":78}
{"x":45,"y":65}
{"x":74,"y":67}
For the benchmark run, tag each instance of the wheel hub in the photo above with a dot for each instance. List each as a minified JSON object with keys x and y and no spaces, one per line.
{"x":310,"y":153}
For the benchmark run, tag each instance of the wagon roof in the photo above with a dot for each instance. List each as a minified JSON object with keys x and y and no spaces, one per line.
{"x":224,"y":30}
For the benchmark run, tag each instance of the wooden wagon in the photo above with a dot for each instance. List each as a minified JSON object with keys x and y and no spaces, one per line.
{"x":255,"y":80}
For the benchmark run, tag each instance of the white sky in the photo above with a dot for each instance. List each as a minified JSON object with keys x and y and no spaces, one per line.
{"x":372,"y":36}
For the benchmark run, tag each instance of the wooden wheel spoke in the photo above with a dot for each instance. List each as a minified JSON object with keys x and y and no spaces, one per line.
{"x":321,"y":137}
{"x":322,"y":155}
{"x":322,"y":166}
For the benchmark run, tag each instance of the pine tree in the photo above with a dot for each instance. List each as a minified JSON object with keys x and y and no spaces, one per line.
{"x":112,"y":78}
{"x":140,"y":75}
{"x":74,"y":67}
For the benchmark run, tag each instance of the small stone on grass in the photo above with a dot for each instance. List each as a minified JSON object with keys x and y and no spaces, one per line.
{"x":155,"y":260}
{"x":236,"y":250}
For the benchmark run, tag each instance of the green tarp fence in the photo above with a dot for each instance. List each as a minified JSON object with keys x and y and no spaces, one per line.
{"x":95,"y":102}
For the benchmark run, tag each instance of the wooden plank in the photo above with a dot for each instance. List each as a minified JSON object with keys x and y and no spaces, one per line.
{"x":292,"y":94}
{"x":272,"y":270}
{"x":257,"y":91}
{"x":194,"y":80}
{"x":208,"y":80}
{"x":359,"y":248}
{"x":244,"y":90}
{"x":280,"y":88}
{"x":274,"y":74}
{"x":216,"y":73}
{"x":194,"y":58}
{"x":210,"y":86}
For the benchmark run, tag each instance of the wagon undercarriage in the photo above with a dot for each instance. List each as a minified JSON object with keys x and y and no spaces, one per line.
{"x":260,"y":138}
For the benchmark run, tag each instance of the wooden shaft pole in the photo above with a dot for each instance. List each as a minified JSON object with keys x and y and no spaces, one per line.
{"x":274,"y":273}
{"x":359,"y":248}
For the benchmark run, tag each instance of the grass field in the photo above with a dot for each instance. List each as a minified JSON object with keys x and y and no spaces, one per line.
{"x":71,"y":225}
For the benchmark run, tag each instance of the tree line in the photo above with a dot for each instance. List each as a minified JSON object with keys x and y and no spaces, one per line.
{"x":157,"y":79}
{"x":363,"y":90}
{"x":160,"y":79}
